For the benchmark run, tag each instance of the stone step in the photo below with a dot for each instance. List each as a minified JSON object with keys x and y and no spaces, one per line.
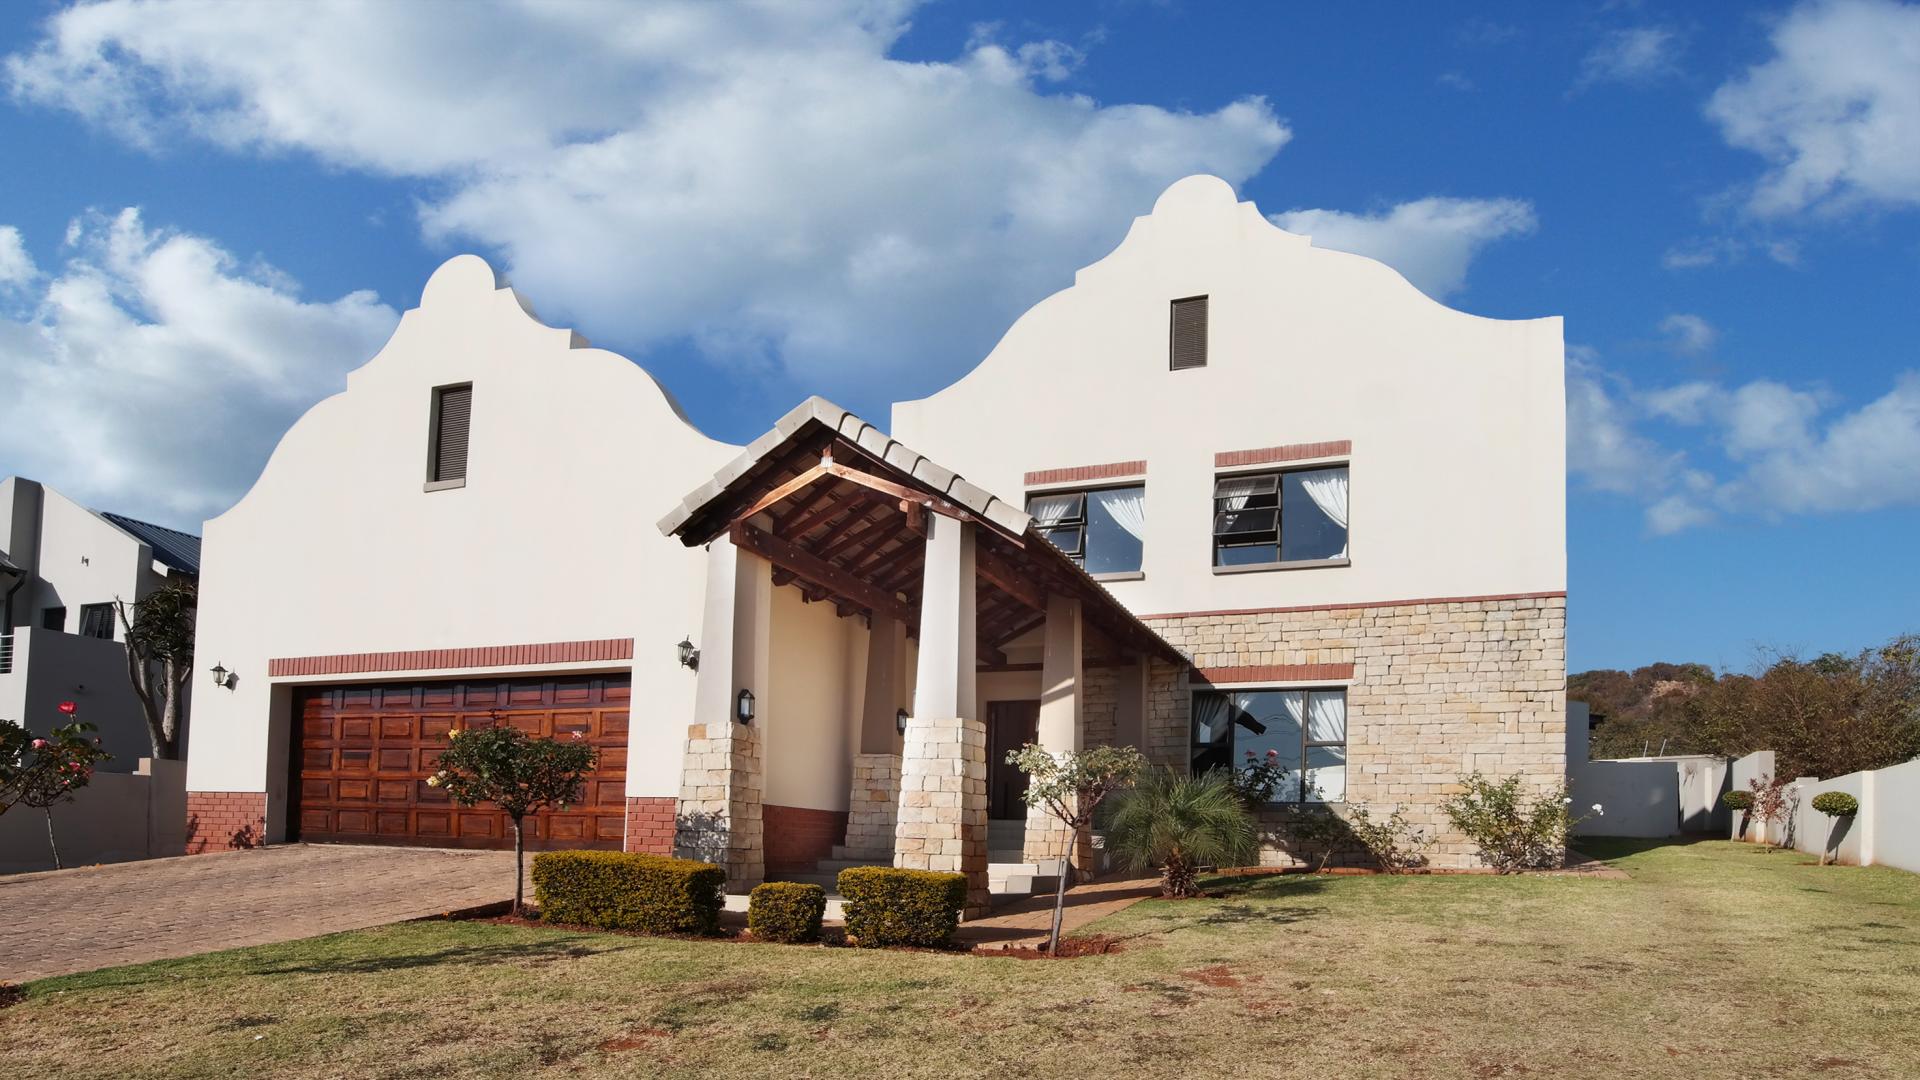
{"x":835,"y":865}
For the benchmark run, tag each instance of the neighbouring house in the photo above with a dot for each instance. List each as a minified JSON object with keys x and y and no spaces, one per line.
{"x":1229,"y":493}
{"x":62,"y":567}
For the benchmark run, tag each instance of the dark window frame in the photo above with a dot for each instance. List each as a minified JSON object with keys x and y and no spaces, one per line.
{"x":1278,"y":476}
{"x":1204,"y":352}
{"x":1307,"y":742}
{"x":1080,"y":522}
{"x":438,"y":470}
{"x":91,"y":612}
{"x":54,"y":618}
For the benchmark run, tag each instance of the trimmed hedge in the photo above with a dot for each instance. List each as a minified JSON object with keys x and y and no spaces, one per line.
{"x":886,"y":905}
{"x":786,"y":911}
{"x":628,"y":890}
{"x":1738,"y":800}
{"x":1836,"y":804}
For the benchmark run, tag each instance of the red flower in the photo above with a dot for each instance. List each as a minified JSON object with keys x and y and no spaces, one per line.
{"x":69,"y":708}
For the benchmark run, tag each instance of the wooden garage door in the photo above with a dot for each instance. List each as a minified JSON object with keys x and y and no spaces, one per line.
{"x":363,"y":754}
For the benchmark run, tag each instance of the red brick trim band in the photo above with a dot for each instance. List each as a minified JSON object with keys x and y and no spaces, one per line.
{"x":1277,"y":673}
{"x":553,"y":652}
{"x":1078,"y":473}
{"x":1297,"y":452}
{"x":1368,"y":604}
{"x":795,"y":838}
{"x":650,"y":824}
{"x":225,"y":820}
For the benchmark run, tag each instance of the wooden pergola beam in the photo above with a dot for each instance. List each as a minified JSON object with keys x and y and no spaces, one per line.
{"x":819,"y":572}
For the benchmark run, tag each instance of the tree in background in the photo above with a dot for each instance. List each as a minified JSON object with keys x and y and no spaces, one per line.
{"x":1070,"y":787}
{"x":521,"y":775}
{"x":159,"y":637}
{"x":1642,"y":712}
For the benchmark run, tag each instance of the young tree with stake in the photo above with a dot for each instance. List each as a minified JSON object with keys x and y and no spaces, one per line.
{"x":519,"y":774}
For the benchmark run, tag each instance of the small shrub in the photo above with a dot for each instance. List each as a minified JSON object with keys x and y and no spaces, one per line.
{"x":1513,"y":832}
{"x":624,"y":890}
{"x":1179,"y":823}
{"x":886,"y":905}
{"x":786,"y":911}
{"x":1395,"y":845}
{"x":1836,"y":804}
{"x":1737,"y":800}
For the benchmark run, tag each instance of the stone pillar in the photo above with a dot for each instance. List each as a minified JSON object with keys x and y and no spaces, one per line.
{"x":871,"y":807}
{"x":942,"y":823}
{"x":718,"y":816}
{"x":1048,"y":842}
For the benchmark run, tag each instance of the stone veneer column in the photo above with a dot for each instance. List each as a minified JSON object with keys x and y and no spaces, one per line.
{"x":872,"y":806}
{"x":942,"y":823}
{"x":1047,"y":841}
{"x":718,"y":817}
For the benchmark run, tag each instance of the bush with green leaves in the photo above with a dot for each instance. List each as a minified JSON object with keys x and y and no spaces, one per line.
{"x":1397,"y":846}
{"x":1737,"y":800}
{"x":786,"y":911}
{"x":1513,"y":829}
{"x":1836,"y":804}
{"x":43,"y":771}
{"x":886,"y":905}
{"x":1179,"y":823}
{"x":629,"y":890}
{"x":520,"y":774}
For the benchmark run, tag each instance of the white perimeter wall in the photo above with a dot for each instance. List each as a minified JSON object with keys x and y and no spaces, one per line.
{"x":1458,"y":423}
{"x":575,"y":453}
{"x":1886,"y":831}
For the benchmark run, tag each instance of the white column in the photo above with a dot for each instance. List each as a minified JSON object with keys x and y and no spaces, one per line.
{"x":718,"y":815}
{"x":942,"y":821}
{"x":1048,"y":842}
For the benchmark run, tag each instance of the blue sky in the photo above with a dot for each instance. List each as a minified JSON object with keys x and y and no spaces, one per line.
{"x":207,"y":216}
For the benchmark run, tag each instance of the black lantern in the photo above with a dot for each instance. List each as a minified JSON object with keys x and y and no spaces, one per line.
{"x":222,"y":677}
{"x":900,"y":721}
{"x":743,"y":707}
{"x":689,"y":656}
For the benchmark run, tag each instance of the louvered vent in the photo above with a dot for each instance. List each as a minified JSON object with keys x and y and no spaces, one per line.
{"x":1189,"y":337}
{"x":452,"y":410}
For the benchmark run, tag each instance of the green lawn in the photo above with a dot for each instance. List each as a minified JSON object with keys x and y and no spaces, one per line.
{"x":1715,"y":960}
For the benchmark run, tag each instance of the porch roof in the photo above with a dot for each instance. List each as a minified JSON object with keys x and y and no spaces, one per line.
{"x":838,"y":507}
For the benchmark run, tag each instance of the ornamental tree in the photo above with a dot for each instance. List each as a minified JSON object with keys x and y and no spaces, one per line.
{"x":1069,"y":787}
{"x":44,"y":771}
{"x":519,"y":774}
{"x":1836,"y":805}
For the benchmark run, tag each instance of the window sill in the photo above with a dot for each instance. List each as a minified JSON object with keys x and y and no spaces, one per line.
{"x":445,"y":485}
{"x":1123,"y":575}
{"x":1297,"y":564}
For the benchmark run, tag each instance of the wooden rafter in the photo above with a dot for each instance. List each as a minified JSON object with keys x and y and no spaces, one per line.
{"x":821,"y":573}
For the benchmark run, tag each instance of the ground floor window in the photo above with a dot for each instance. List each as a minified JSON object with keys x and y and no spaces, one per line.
{"x":1304,"y":730}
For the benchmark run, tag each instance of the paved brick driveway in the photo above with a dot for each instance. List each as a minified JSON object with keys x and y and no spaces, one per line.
{"x":65,"y":921}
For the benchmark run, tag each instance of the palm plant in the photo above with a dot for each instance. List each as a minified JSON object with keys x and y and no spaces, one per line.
{"x":1180,"y":823}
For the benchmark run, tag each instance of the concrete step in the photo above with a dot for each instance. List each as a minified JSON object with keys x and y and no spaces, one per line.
{"x":836,"y":911}
{"x":843,"y":853}
{"x":834,"y":866}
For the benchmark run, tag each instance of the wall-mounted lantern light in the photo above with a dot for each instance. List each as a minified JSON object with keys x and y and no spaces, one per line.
{"x":689,"y":656}
{"x":743,"y":707}
{"x":900,"y":721}
{"x":224,"y":678}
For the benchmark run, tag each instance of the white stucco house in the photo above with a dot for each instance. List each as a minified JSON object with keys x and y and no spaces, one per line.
{"x":62,"y":567}
{"x":1227,"y":493}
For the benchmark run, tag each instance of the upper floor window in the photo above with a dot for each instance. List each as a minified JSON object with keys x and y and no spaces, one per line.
{"x":1187,"y":339}
{"x":53,"y":618}
{"x":1280,"y":517}
{"x":1303,"y":732}
{"x":447,"y":435}
{"x":96,"y":621}
{"x":1103,"y":530}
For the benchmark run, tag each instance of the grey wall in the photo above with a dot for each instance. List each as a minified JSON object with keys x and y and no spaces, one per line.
{"x":117,"y":817}
{"x":51,"y":667}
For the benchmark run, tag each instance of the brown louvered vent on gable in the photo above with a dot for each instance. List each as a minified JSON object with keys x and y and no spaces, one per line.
{"x":1188,"y":347}
{"x":452,"y":411}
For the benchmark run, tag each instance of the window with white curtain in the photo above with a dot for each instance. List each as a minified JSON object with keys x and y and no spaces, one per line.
{"x":1280,"y":517}
{"x":1103,"y":529}
{"x":1303,"y":731}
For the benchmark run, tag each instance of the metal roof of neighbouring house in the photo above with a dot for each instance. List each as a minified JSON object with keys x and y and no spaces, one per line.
{"x":171,"y":547}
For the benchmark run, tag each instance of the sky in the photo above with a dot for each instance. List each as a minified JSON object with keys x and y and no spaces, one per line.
{"x":209,"y":213}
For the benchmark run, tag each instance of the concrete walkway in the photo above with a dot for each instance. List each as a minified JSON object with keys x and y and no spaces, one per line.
{"x":1025,"y":924}
{"x":64,"y":921}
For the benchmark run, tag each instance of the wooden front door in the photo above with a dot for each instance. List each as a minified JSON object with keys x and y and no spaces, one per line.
{"x":362,"y":755}
{"x":1010,"y":725}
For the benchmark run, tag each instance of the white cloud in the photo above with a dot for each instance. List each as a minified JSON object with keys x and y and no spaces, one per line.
{"x":1780,"y":449}
{"x":1637,"y":56}
{"x":1431,"y":241}
{"x":761,"y":179}
{"x":16,"y":266}
{"x":1835,"y":111}
{"x":1689,"y":335}
{"x":155,"y":373}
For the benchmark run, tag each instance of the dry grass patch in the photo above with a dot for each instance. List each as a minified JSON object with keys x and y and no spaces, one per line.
{"x":1713,"y":960}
